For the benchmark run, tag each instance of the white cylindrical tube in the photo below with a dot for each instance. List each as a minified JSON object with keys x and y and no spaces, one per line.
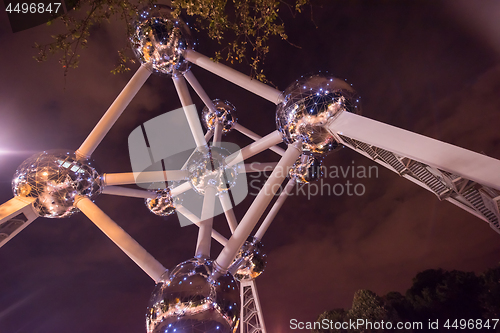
{"x":228,"y":210}
{"x":180,"y":189}
{"x":113,"y":113}
{"x":196,"y":221}
{"x":256,"y":167}
{"x":254,"y":148}
{"x":127,"y":178}
{"x":257,"y":208}
{"x":204,"y":241}
{"x":123,"y":240}
{"x":209,"y":135}
{"x":128,"y":192}
{"x":191,"y":114}
{"x":235,"y":77}
{"x":245,"y":131}
{"x":199,"y":90}
{"x":275,"y":209}
{"x":217,"y":135}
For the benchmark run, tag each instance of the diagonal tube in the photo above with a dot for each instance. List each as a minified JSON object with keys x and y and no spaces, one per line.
{"x":191,"y":114}
{"x":235,"y":77}
{"x":123,"y":240}
{"x":207,"y":218}
{"x":245,"y":131}
{"x":225,"y":202}
{"x":274,"y":210}
{"x":193,"y":218}
{"x":113,"y":113}
{"x":254,"y":148}
{"x":257,"y":208}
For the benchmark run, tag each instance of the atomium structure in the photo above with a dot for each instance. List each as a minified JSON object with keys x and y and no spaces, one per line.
{"x":315,"y":116}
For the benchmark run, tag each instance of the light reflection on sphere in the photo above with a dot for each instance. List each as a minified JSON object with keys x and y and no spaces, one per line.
{"x":250,"y":261}
{"x":160,"y":39}
{"x":308,"y":106}
{"x":226,"y":115}
{"x":55,"y":178}
{"x":163,"y":204}
{"x":306,"y":169}
{"x":207,"y":167}
{"x":190,"y":301}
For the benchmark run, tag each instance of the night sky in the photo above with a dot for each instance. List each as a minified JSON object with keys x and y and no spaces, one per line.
{"x":428,"y":67}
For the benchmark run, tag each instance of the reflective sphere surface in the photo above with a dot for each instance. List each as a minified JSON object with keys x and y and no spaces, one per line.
{"x":226,"y":115}
{"x":306,"y":169}
{"x":159,"y":39}
{"x":163,"y":204}
{"x":55,"y":178}
{"x":208,"y":168}
{"x":190,"y":301}
{"x":250,"y":261}
{"x":308,"y":106}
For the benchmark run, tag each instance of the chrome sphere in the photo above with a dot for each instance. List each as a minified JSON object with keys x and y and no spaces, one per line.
{"x":191,"y":301}
{"x":159,"y":39}
{"x":308,"y":107}
{"x":55,"y":178}
{"x":225,"y":114}
{"x":208,"y":168}
{"x":250,"y":261}
{"x":306,"y":169}
{"x":163,"y":204}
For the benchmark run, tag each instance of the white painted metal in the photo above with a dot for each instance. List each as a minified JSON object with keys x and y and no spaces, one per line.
{"x":128,"y":192}
{"x":123,"y":240}
{"x":196,"y":221}
{"x":113,"y":113}
{"x":275,"y":209}
{"x":207,"y":218}
{"x":199,"y":90}
{"x":468,"y":164}
{"x":8,"y":213}
{"x":252,"y":135}
{"x":189,"y":110}
{"x":254,"y":148}
{"x":235,"y":77}
{"x":251,"y":311}
{"x":256,"y":167}
{"x":257,"y":207}
{"x":227,"y":206}
{"x":128,"y":178}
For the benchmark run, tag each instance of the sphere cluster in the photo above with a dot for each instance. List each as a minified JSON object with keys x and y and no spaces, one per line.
{"x":159,"y":39}
{"x":250,"y":261}
{"x":225,"y":114}
{"x":306,"y":169}
{"x":207,"y":167}
{"x":189,"y":301}
{"x":308,"y":107}
{"x":163,"y":204}
{"x":55,"y":178}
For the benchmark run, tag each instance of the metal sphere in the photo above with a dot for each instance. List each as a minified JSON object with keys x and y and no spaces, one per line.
{"x":163,"y":204}
{"x":225,"y":114}
{"x":308,"y":106}
{"x":306,"y":169}
{"x":208,"y":168}
{"x":159,"y":39}
{"x":191,"y":301}
{"x":55,"y":178}
{"x":250,"y":261}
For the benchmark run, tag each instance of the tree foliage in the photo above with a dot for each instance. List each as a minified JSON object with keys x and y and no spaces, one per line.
{"x":435,"y":294}
{"x":241,"y":28}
